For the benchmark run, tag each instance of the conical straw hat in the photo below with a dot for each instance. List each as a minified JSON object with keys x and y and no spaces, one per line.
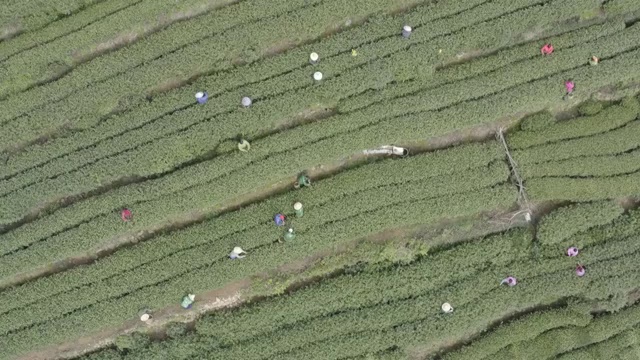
{"x":238,"y":250}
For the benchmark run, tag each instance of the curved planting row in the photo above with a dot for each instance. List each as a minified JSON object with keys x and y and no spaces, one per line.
{"x":558,"y":334}
{"x":369,"y":318}
{"x":18,"y":17}
{"x":292,"y":28}
{"x":565,"y":222}
{"x":77,"y":109}
{"x":559,"y":341}
{"x":589,"y":158}
{"x":409,"y":328}
{"x":134,"y":56}
{"x":189,"y":201}
{"x":621,"y":227}
{"x":328,"y":149}
{"x":63,"y":27}
{"x":171,"y":124}
{"x":375,"y":39}
{"x":158,"y":149}
{"x":34,"y":66}
{"x":330,"y":198}
{"x":209,"y":261}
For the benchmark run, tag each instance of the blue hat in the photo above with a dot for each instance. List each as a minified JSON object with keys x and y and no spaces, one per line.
{"x":279,"y":219}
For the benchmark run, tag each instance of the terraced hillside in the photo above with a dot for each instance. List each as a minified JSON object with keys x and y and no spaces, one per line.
{"x":505,"y":171}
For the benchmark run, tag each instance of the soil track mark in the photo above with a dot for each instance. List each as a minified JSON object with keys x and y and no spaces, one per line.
{"x":197,"y":216}
{"x":444,"y":232}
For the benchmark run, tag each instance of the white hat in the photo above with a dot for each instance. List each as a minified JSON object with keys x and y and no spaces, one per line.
{"x":246,"y":101}
{"x":317,"y":75}
{"x":447,"y":308}
{"x":238,"y":250}
{"x":199,"y":94}
{"x":406,"y":28}
{"x":314,"y":56}
{"x":145,"y":317}
{"x":191,"y":297}
{"x":297,"y":206}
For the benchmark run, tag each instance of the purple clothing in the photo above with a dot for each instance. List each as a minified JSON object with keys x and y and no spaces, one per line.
{"x":511,"y":281}
{"x":279,"y":219}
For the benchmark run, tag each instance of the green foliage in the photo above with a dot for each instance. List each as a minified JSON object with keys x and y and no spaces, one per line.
{"x":567,"y":221}
{"x":611,"y":118}
{"x":68,"y":218}
{"x":536,"y":122}
{"x":613,"y":142}
{"x":220,"y":53}
{"x":357,"y":317}
{"x":132,"y":342}
{"x":522,"y":329}
{"x":557,"y":341}
{"x":161,"y":156}
{"x":170,"y":275}
{"x":590,"y":108}
{"x":363,"y":178}
{"x":584,"y":190}
{"x":395,"y":91}
{"x":605,"y":349}
{"x":621,"y":227}
{"x":587,"y":166}
{"x":176,"y":329}
{"x":35,"y":15}
{"x":66,"y":25}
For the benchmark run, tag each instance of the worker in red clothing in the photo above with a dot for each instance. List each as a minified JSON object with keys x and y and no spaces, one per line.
{"x":125,"y":214}
{"x":547,"y":49}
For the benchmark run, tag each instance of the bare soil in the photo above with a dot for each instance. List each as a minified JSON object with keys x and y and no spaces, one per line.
{"x":235,"y":294}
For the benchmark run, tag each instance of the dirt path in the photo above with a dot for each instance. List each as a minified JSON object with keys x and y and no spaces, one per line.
{"x":472,"y":134}
{"x":447,"y":230}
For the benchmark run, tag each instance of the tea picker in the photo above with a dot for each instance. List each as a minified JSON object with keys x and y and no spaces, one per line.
{"x":447,"y":308}
{"x":279,"y":219}
{"x":237,"y":253}
{"x":297,"y":207}
{"x":572,"y":251}
{"x":125,"y":215}
{"x":187,"y":301}
{"x":580,"y":270}
{"x":314,"y":58}
{"x":570,"y":86}
{"x":145,"y":315}
{"x":406,"y":31}
{"x":302,"y":181}
{"x":202,"y":97}
{"x":511,"y":281}
{"x":317,"y":76}
{"x":244,"y":145}
{"x":289,"y":235}
{"x":547,"y":49}
{"x":246,"y":101}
